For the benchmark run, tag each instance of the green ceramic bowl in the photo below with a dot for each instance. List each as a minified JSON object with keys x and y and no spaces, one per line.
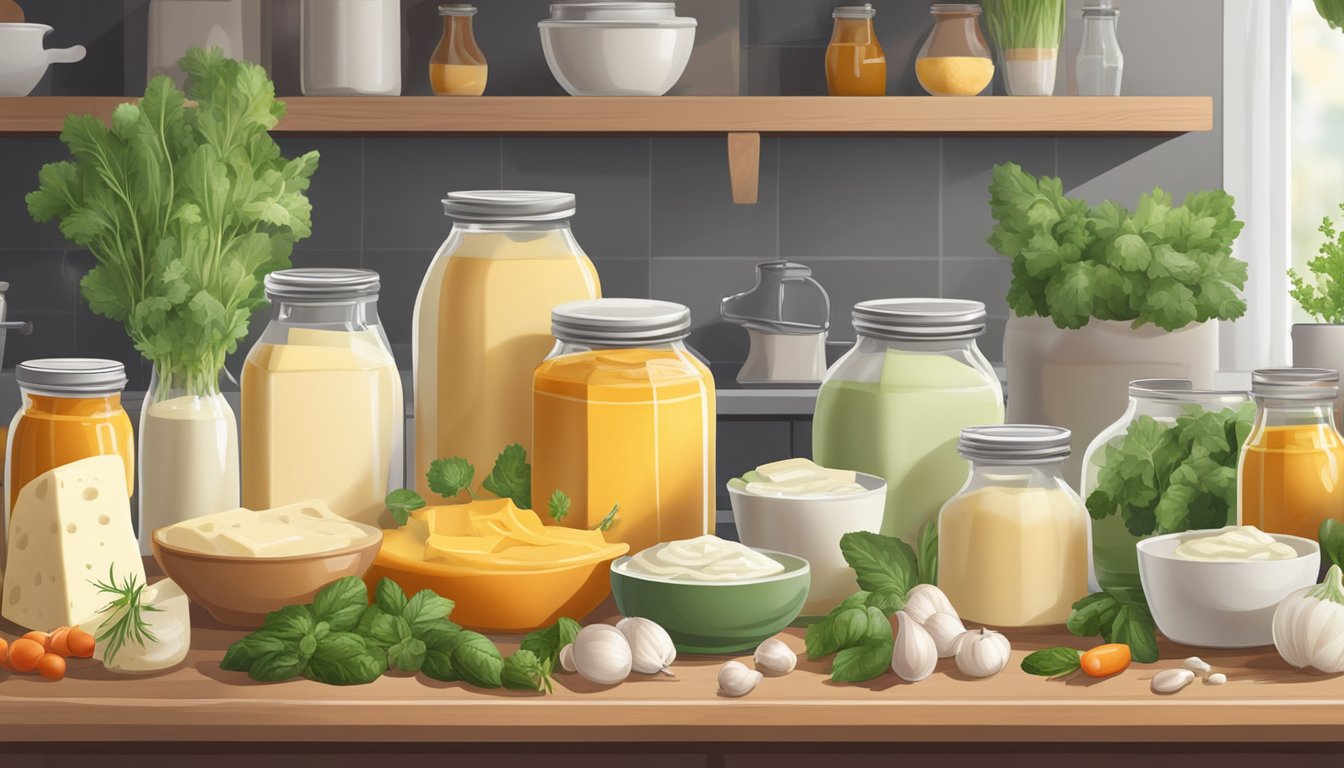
{"x":710,"y":617}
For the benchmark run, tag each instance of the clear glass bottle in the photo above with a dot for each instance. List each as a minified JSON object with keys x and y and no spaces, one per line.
{"x":894,"y":405}
{"x":855,"y":62}
{"x":955,"y":60}
{"x":1114,"y":559}
{"x":323,"y":411}
{"x":1100,"y":63}
{"x":1292,"y":468}
{"x":457,"y":68}
{"x":1012,"y":543}
{"x":623,"y":413}
{"x":483,"y":322}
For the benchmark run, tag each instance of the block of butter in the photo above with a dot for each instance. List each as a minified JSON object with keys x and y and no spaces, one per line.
{"x":305,"y":528}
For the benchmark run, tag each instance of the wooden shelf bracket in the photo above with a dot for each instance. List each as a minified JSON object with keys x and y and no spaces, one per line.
{"x":744,"y":166}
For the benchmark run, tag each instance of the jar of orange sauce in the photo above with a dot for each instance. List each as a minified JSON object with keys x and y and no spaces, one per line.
{"x":855,"y":63}
{"x":71,"y":410}
{"x":457,"y":68}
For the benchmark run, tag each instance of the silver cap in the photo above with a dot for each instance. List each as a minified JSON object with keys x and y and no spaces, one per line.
{"x":321,"y":284}
{"x":1295,"y":383}
{"x":71,"y":376}
{"x":457,"y":9}
{"x":620,"y":322}
{"x":613,"y":10}
{"x":1015,"y":443}
{"x":864,"y":11}
{"x":920,"y":319}
{"x":506,"y":205}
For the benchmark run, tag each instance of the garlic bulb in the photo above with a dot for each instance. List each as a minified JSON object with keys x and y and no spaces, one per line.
{"x":736,"y":679}
{"x":1309,"y":625}
{"x":946,"y":630}
{"x":651,"y":648}
{"x":914,"y":655}
{"x":983,"y":653}
{"x":925,"y":600}
{"x":601,"y":654}
{"x":567,"y":658}
{"x":776,"y":657}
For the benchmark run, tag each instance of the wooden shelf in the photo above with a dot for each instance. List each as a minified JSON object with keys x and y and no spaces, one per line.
{"x":1059,"y":115}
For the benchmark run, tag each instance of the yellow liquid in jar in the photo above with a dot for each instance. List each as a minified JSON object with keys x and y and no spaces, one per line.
{"x":1292,"y":479}
{"x":954,"y":75}
{"x":458,"y":79}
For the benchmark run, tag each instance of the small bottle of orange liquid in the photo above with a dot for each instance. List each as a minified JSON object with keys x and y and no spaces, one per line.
{"x":855,"y":63}
{"x":1292,"y":469}
{"x":457,"y":67}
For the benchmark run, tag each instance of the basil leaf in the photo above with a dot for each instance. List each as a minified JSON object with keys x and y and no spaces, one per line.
{"x":523,"y":672}
{"x":511,"y":477}
{"x":383,"y":630}
{"x":360,"y":669}
{"x":438,"y":664}
{"x":367,"y":619}
{"x":888,"y":600}
{"x":407,"y":655}
{"x":275,"y":667}
{"x":878,"y":627}
{"x":1052,"y":662}
{"x":290,"y":623}
{"x":401,"y":503}
{"x":1332,"y":541}
{"x":880,"y":561}
{"x":243,"y":654}
{"x":477,"y":660}
{"x":863,"y":662}
{"x":424,"y":609}
{"x":389,"y":597}
{"x":568,"y":629}
{"x":440,"y":634}
{"x":1093,"y":613}
{"x":928,"y":555}
{"x":1134,"y":626}
{"x":341,"y":603}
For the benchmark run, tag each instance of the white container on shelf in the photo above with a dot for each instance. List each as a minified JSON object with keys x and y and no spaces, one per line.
{"x":350,"y":47}
{"x":238,"y":27}
{"x":617,"y":48}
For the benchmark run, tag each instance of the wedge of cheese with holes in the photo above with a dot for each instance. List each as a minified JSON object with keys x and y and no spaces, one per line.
{"x":68,"y":529}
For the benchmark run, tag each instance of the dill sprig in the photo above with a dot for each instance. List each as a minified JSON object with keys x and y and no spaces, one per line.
{"x":129,"y":625}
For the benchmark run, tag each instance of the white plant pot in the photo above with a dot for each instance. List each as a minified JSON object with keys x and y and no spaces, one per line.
{"x":1320,"y":345}
{"x":1079,"y":379}
{"x":1030,"y":71}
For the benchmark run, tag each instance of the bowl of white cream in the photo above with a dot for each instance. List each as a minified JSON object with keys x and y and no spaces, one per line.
{"x":1219,"y":588}
{"x":710,"y":594}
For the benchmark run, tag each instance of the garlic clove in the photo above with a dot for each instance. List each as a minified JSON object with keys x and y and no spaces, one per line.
{"x":1217,"y":678}
{"x":946,"y":630}
{"x":651,"y":648}
{"x":736,"y":679}
{"x":1200,"y":667}
{"x":776,"y":657}
{"x":924,"y":600}
{"x":914,"y":654}
{"x":567,"y":658}
{"x":601,"y":654}
{"x":1172,"y":680}
{"x":983,"y":653}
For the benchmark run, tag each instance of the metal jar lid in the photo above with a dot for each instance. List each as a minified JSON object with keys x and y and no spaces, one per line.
{"x":620,"y":322}
{"x":1178,"y":390}
{"x":955,"y":8}
{"x":321,"y":284}
{"x":613,"y":10}
{"x":505,"y":205}
{"x":71,"y":376}
{"x":864,"y":11}
{"x":920,"y":319}
{"x":1295,"y":383}
{"x":457,"y":9}
{"x":1015,"y":443}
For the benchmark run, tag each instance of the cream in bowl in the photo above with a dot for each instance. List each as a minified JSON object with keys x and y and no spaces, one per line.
{"x":1219,"y":588}
{"x":306,"y":528}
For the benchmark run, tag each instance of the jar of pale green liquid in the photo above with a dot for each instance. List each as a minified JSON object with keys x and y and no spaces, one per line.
{"x":895,"y":404}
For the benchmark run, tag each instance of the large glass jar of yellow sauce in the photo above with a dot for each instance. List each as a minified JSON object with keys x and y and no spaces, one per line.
{"x":483,"y":322}
{"x":855,"y":63}
{"x":955,"y":59}
{"x":623,"y":413}
{"x":1012,"y":544}
{"x":71,"y":410}
{"x":1292,"y":468}
{"x":322,"y":399}
{"x":458,"y":67}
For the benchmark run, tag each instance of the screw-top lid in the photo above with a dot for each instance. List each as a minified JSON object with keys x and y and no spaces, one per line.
{"x":504,"y":205}
{"x":1101,"y":11}
{"x":613,"y":10}
{"x":1295,"y":383}
{"x":920,"y":319}
{"x":457,"y":9}
{"x":71,"y":376}
{"x":1015,"y":443}
{"x":864,"y":11}
{"x":620,"y":322}
{"x":321,"y":284}
{"x":955,"y":8}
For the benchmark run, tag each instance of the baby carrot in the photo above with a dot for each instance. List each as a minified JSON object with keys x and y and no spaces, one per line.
{"x":24,"y":654}
{"x":58,"y":644}
{"x":51,"y":666}
{"x":1105,"y":660}
{"x":80,"y":643}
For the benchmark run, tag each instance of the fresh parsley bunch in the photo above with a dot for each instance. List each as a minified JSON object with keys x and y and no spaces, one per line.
{"x":185,"y":209}
{"x":1323,"y":298}
{"x":1162,"y":265}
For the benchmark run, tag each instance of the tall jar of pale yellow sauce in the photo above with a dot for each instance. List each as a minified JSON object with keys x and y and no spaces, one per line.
{"x":623,"y":414}
{"x":483,"y":322}
{"x":322,"y":400}
{"x":1012,"y":544}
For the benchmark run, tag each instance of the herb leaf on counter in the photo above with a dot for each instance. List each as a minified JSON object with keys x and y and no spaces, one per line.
{"x":523,"y":671}
{"x":1118,"y":617}
{"x":449,"y":477}
{"x":341,"y":604}
{"x":880,"y":561}
{"x":547,"y":643}
{"x":511,"y":477}
{"x":862,"y":663}
{"x":389,"y":597}
{"x":477,"y":660}
{"x":1053,"y":662}
{"x":402,"y":502}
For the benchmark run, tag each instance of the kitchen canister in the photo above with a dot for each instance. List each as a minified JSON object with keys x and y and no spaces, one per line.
{"x":350,"y":47}
{"x":237,"y":27}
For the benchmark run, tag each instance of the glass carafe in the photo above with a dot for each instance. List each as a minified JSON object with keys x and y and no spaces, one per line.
{"x":855,"y":62}
{"x":1100,"y":62}
{"x":955,"y":59}
{"x":1292,"y":469}
{"x":1157,"y":406}
{"x":895,"y":404}
{"x":458,"y":67}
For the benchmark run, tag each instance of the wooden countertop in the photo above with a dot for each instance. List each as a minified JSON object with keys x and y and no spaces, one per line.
{"x":1264,"y":701}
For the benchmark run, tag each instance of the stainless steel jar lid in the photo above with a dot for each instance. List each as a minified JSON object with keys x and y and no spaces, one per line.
{"x":620,"y":322}
{"x":613,"y":10}
{"x":920,"y":319}
{"x":457,"y":9}
{"x":321,"y":284}
{"x":864,"y":11}
{"x":71,"y":376}
{"x":504,"y":205}
{"x":1295,"y":383}
{"x":1014,"y":443}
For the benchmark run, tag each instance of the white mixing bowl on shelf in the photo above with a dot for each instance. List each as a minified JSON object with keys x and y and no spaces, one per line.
{"x":617,"y":48}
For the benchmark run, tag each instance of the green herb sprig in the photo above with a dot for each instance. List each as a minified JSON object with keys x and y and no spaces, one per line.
{"x":1323,"y":297}
{"x":1025,"y":23}
{"x":126,"y":611}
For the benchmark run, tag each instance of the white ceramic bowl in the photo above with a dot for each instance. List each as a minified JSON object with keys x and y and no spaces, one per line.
{"x":23,"y":60}
{"x":1221,"y":603}
{"x":618,"y":58}
{"x":811,"y":527}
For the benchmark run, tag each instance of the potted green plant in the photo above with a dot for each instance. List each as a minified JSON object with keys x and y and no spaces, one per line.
{"x":1101,"y":296}
{"x":185,"y":208}
{"x":1321,"y":344}
{"x":1026,"y":35}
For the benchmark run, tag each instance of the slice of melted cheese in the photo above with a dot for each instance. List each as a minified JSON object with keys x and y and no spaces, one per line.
{"x":68,"y":528}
